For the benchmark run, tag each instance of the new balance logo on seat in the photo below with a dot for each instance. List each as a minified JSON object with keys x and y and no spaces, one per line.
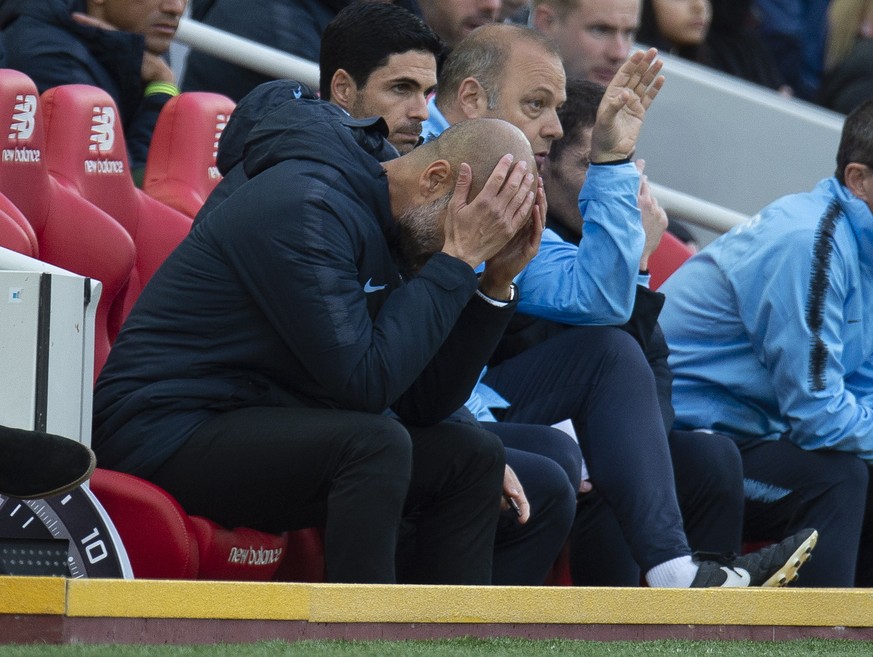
{"x":23,"y":117}
{"x":220,"y":124}
{"x":21,"y":130}
{"x":102,"y":140}
{"x":102,"y":129}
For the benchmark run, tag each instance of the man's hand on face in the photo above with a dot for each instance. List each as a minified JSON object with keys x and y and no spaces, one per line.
{"x":476,"y":230}
{"x":154,"y":68}
{"x":621,"y":112}
{"x":507,"y":263}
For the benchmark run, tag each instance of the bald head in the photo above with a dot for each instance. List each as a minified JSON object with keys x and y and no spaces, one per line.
{"x":480,"y":143}
{"x":421,"y":183}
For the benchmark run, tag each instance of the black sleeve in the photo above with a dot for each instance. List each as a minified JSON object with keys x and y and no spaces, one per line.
{"x":449,"y":378}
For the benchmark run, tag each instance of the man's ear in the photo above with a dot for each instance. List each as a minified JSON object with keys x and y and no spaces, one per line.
{"x":472,"y":100}
{"x":343,"y":89}
{"x":434,"y":180}
{"x":855,"y":176}
{"x":544,"y":18}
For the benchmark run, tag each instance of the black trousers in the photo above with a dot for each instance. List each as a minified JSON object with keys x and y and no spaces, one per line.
{"x":359,"y":475}
{"x":788,"y":488}
{"x":549,"y":466}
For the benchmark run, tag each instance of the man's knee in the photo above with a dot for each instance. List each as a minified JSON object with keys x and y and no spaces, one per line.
{"x":384,"y":441}
{"x":712,"y":460}
{"x":474,"y":446}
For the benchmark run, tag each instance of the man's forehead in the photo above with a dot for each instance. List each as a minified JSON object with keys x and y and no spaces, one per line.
{"x":531,"y":57}
{"x":416,"y":66}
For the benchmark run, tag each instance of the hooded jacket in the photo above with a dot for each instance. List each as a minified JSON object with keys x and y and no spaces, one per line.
{"x":288,"y":294}
{"x":43,"y":41}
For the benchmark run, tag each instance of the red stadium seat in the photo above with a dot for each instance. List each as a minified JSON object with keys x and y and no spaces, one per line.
{"x":87,"y":154}
{"x":15,"y":233}
{"x":71,"y":233}
{"x":163,"y":542}
{"x":180,"y":170}
{"x":667,"y":258}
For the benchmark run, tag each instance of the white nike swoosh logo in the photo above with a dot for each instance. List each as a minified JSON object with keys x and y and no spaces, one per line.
{"x":736,"y":578}
{"x":369,"y":287}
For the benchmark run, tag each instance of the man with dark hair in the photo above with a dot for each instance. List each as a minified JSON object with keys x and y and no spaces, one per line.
{"x":769,"y":329}
{"x":593,"y":374}
{"x":378,"y":59}
{"x":117,"y":45}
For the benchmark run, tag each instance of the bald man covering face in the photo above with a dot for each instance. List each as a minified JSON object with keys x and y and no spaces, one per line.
{"x":255,"y":377}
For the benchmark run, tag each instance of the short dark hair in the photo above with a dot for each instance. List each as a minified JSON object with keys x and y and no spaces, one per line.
{"x":856,"y":141}
{"x":362,"y":37}
{"x":578,"y":112}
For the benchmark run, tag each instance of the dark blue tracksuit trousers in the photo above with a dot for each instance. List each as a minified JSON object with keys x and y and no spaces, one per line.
{"x":599,"y":378}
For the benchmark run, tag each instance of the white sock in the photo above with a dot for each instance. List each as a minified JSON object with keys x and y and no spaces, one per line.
{"x":676,"y":573}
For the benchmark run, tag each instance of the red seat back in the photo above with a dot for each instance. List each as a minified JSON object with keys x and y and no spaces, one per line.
{"x":180,"y":170}
{"x":71,"y":232}
{"x":667,"y":258}
{"x":15,"y":233}
{"x":164,"y":542}
{"x":88,"y":155}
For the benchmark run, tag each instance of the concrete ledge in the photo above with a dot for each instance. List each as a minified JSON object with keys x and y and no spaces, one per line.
{"x":152,"y":611}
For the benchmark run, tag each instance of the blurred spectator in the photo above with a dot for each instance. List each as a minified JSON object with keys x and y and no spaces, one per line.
{"x":848,"y":78}
{"x":294,"y":26}
{"x":117,"y":45}
{"x":452,"y":20}
{"x":678,"y":27}
{"x":795,"y":31}
{"x":595,"y":37}
{"x":733,"y":46}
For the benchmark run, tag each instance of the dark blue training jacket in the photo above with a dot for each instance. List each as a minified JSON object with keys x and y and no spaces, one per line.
{"x":287,"y":293}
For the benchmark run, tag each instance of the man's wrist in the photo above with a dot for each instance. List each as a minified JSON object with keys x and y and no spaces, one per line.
{"x":500,"y":298}
{"x":610,"y":160}
{"x":157,"y":87}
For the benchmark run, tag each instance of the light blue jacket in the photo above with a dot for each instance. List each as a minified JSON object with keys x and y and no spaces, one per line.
{"x":593,"y":283}
{"x":770,"y":327}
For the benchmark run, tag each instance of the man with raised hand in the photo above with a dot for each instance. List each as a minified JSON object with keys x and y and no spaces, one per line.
{"x":597,"y":376}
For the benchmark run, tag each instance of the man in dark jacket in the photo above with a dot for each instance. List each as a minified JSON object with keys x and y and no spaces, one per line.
{"x":116,"y":45}
{"x":253,"y":377}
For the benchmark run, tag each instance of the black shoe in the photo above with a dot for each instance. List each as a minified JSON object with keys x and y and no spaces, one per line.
{"x":774,"y":565}
{"x":34,"y":464}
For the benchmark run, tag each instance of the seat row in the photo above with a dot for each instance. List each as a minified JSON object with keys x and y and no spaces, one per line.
{"x":67,"y":198}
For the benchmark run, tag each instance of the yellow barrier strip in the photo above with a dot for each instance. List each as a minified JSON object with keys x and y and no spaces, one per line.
{"x":32,"y":595}
{"x":340,"y":603}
